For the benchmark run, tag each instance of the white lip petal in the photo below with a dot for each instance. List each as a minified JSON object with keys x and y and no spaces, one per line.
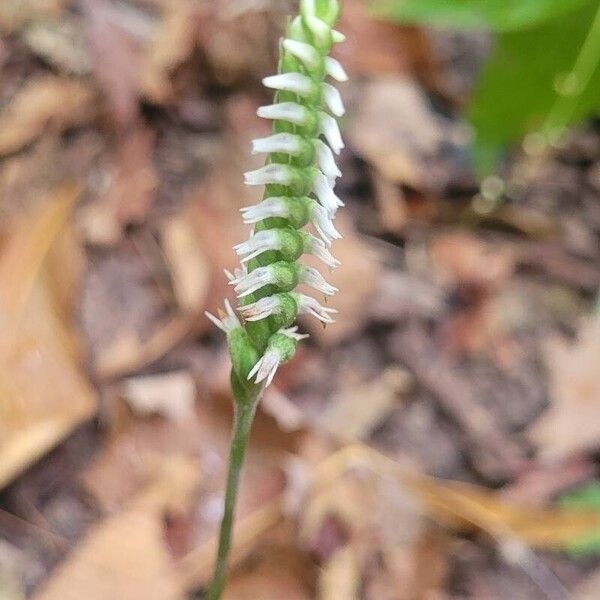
{"x":260,"y":242}
{"x":288,"y":143}
{"x":335,"y":70}
{"x":323,"y":224}
{"x":304,"y":52}
{"x":325,"y":193}
{"x":285,"y":111}
{"x":250,"y":282}
{"x":266,"y":367}
{"x":261,"y":309}
{"x":309,"y":306}
{"x":272,"y":173}
{"x":314,"y":279}
{"x":333,"y":100}
{"x":331,"y":130}
{"x":326,"y":161}
{"x":269,"y":207}
{"x":317,"y":248}
{"x":337,"y":36}
{"x":319,"y":29}
{"x":292,"y":332}
{"x":290,"y":82}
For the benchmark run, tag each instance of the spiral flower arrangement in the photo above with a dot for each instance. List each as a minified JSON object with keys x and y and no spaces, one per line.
{"x":298,"y":178}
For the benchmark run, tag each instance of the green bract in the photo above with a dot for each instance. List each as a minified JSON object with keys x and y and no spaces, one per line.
{"x":298,"y":178}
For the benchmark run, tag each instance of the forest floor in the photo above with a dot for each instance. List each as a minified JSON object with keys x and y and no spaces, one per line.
{"x":415,"y":449}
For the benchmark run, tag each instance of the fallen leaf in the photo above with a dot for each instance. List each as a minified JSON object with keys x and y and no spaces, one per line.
{"x":572,"y":421}
{"x":126,"y":556}
{"x":45,"y":102}
{"x":341,"y":576}
{"x":169,"y":394}
{"x":395,"y":128}
{"x":45,"y":394}
{"x":188,"y":264}
{"x":349,"y":417}
{"x":169,"y":47}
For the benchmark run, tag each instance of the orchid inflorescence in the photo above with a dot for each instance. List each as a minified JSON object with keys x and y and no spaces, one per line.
{"x":299,"y":176}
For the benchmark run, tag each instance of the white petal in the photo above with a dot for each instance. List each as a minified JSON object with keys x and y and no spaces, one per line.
{"x":286,"y":111}
{"x":319,"y":29}
{"x":257,"y":244}
{"x":323,"y":224}
{"x":337,"y":36}
{"x":325,"y":194}
{"x":292,"y":332}
{"x":317,"y":248}
{"x":266,"y":367}
{"x":326,"y":161}
{"x":331,"y":130}
{"x":304,"y":52}
{"x":309,"y":306}
{"x":333,"y":99}
{"x":261,"y":309}
{"x":249,"y":283}
{"x":269,"y":207}
{"x":279,"y":142}
{"x":272,"y":173}
{"x":314,"y":279}
{"x":335,"y":70}
{"x":290,"y":82}
{"x":229,"y":320}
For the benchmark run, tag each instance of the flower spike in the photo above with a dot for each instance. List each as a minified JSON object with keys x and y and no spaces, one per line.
{"x":299,"y":176}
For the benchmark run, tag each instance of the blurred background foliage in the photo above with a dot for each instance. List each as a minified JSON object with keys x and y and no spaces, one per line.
{"x":543,"y":74}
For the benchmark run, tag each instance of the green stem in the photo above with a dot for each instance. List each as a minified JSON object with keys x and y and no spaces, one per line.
{"x":242,"y":422}
{"x":580,"y":75}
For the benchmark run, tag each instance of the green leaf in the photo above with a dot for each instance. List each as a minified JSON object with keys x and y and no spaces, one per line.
{"x":500,"y":15}
{"x":585,"y":498}
{"x":518,"y":88}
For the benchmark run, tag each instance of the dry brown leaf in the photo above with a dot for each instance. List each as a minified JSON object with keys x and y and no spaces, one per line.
{"x":45,"y":394}
{"x":126,"y":556}
{"x":168,"y":394}
{"x":395,"y":129}
{"x":46,"y":102}
{"x":358,"y":276}
{"x":190,"y":270}
{"x":341,"y":576}
{"x":572,"y":421}
{"x":349,"y":417}
{"x":170,"y":46}
{"x":459,"y":505}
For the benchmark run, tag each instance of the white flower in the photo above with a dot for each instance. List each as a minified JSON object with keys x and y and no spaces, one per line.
{"x":261,"y":309}
{"x":286,"y":111}
{"x":331,"y":130}
{"x":317,"y":248}
{"x":309,"y":306}
{"x":299,"y":84}
{"x":271,"y":173}
{"x":248,"y":283}
{"x":288,"y":143}
{"x":260,"y":242}
{"x":304,"y":52}
{"x":333,"y":99}
{"x":325,"y":193}
{"x":319,"y":29}
{"x":267,"y":365}
{"x":312,"y":277}
{"x":323,"y":224}
{"x":334,"y":69}
{"x":326,"y":161}
{"x":275,"y":206}
{"x":226,"y":321}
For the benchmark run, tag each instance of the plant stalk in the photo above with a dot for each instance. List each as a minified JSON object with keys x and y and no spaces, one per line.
{"x":242,"y":422}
